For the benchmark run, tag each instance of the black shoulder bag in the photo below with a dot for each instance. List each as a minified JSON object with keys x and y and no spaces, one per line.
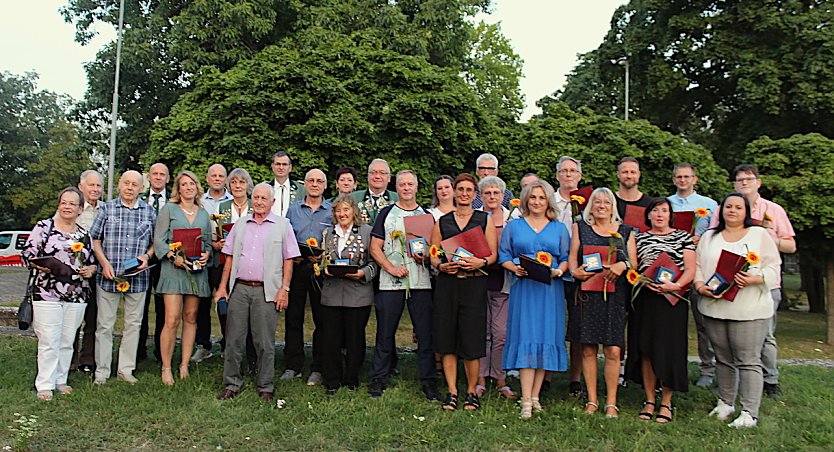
{"x":24,"y":312}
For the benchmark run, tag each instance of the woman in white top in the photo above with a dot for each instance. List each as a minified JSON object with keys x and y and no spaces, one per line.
{"x":443,"y":197}
{"x":737,"y":329}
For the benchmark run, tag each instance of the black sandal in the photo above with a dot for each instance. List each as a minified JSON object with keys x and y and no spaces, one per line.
{"x":472,"y":402}
{"x":661,"y":419}
{"x":451,"y":402}
{"x":645,"y":415}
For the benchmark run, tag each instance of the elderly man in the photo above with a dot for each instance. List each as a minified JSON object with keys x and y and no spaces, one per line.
{"x":487,"y":165}
{"x":156,"y":196}
{"x":121,"y":232}
{"x":629,"y":194}
{"x":258,"y":269}
{"x":377,"y":196}
{"x":309,"y":218}
{"x":402,"y":279}
{"x":84,"y":357}
{"x":286,"y":191}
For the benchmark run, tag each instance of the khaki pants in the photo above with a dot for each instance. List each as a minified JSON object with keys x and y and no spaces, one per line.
{"x":108,"y":305}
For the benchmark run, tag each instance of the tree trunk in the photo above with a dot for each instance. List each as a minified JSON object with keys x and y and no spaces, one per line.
{"x":813,"y":278}
{"x":829,"y":295}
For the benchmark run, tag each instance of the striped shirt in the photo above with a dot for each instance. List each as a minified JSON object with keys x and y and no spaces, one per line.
{"x":125,"y":232}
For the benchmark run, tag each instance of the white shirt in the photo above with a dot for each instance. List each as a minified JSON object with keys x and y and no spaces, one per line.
{"x":162,"y":199}
{"x":342,"y":238}
{"x":282,"y":198}
{"x":212,"y":205}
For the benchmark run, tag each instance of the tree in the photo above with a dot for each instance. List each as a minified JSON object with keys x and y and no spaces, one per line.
{"x":798,"y":174}
{"x":493,"y":71}
{"x":340,"y":104}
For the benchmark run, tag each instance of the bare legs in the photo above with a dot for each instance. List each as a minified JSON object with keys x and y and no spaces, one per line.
{"x":174,"y":310}
{"x":649,"y":386}
{"x":450,"y":373}
{"x":611,"y":372}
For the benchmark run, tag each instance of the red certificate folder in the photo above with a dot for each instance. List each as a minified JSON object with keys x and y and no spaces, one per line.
{"x":729,"y":264}
{"x":472,"y":240}
{"x":635,"y":216}
{"x":664,"y":260}
{"x":191,"y":239}
{"x":683,"y":221}
{"x":419,"y":226}
{"x":596,"y":283}
{"x":584,"y":192}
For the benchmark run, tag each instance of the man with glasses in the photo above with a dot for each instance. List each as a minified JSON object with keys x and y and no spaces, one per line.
{"x":309,"y":219}
{"x":487,"y":165}
{"x":775,"y":220}
{"x":377,"y":196}
{"x":286,"y":191}
{"x":686,"y":199}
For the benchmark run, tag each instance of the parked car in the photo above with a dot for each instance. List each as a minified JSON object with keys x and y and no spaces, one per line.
{"x":11,"y":245}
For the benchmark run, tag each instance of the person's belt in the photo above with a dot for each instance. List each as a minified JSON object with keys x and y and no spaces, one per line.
{"x":250,"y":283}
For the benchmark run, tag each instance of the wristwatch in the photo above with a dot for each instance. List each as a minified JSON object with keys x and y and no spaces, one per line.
{"x":287,"y":288}
{"x":486,"y":263}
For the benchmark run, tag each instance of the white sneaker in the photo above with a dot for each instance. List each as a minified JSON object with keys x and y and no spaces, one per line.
{"x":315,"y":378}
{"x":722,"y":410}
{"x":744,"y":420}
{"x":200,"y":355}
{"x":99,"y":380}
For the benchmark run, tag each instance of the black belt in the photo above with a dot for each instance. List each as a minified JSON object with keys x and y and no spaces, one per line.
{"x":250,"y":283}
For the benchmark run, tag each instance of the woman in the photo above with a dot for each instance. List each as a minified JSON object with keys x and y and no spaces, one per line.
{"x":345,"y":182}
{"x":460,"y":296}
{"x":657,"y":348}
{"x":536,"y":320}
{"x":346,"y":300}
{"x":603,"y":316}
{"x":177,"y":283}
{"x":498,"y":289}
{"x":737,"y":329}
{"x":443,"y":197}
{"x":58,"y":300}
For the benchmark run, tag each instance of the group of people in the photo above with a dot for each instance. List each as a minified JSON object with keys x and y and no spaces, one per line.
{"x":259,"y":250}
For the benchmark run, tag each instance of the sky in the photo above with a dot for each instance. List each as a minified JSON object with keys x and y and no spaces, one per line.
{"x":547,"y":34}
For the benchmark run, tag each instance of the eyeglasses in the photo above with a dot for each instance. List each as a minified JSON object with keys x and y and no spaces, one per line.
{"x":378,"y":173}
{"x":69,"y":204}
{"x":315,"y":181}
{"x":744,"y":180}
{"x":488,"y":168}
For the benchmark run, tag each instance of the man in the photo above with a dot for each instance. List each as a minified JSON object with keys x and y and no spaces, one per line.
{"x":377,"y":196}
{"x":286,"y":191}
{"x":401,"y":279}
{"x":775,"y":220}
{"x":260,"y":286}
{"x":528,"y":178}
{"x":122,"y":231}
{"x":156,"y":196}
{"x":308,"y":218}
{"x":487,"y":165}
{"x":687,"y":200}
{"x":629,"y":194}
{"x":90,"y":184}
{"x":216,"y":194}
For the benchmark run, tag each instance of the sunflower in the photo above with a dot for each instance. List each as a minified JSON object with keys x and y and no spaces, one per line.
{"x":753,"y":258}
{"x":316,"y":269}
{"x":435,"y":251}
{"x":544,"y":257}
{"x":632,"y":276}
{"x":76,"y":247}
{"x":515,"y":202}
{"x":615,"y":234}
{"x":175,"y":246}
{"x":396,"y":234}
{"x":312,"y":242}
{"x":578,"y":199}
{"x":122,"y":286}
{"x":701,"y":212}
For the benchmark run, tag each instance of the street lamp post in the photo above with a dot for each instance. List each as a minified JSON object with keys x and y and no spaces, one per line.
{"x":623,"y":61}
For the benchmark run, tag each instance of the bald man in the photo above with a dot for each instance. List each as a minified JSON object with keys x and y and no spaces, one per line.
{"x":121,"y":232}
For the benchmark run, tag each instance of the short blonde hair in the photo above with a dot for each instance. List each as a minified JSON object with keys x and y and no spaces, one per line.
{"x":549,"y":193}
{"x":175,"y":191}
{"x":615,"y":215}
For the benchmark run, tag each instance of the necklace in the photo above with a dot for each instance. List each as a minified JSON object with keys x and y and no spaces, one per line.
{"x":187,"y":212}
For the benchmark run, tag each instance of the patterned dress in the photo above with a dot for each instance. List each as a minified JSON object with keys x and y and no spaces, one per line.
{"x":57,"y":244}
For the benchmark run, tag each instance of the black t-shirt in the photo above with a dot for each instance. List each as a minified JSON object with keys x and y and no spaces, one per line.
{"x":621,"y":204}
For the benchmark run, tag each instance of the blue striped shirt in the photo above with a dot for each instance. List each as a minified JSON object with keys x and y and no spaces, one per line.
{"x":125,"y":232}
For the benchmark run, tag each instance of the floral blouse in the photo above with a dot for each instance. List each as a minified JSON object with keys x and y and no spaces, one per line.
{"x":59,"y":245}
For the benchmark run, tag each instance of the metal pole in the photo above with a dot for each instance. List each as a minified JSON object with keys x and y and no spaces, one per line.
{"x":626,"y":88}
{"x":114,"y":112}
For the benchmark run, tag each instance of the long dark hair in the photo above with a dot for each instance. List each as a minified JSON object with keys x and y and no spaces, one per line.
{"x":748,"y":220}
{"x":434,"y":201}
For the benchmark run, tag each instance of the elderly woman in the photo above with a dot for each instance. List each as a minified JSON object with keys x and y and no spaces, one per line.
{"x":346,"y":299}
{"x":737,"y":329}
{"x":536,"y":320}
{"x":180,"y":286}
{"x":58,"y":297}
{"x":492,"y":189}
{"x":657,"y":335}
{"x":603,"y":315}
{"x":460,"y":296}
{"x":443,"y":197}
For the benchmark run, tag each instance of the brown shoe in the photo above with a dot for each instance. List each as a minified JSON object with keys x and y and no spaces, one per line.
{"x":266,"y":395}
{"x":227,"y":394}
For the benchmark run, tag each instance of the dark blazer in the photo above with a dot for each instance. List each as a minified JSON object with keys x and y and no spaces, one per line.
{"x":345,"y":292}
{"x":367,"y":209}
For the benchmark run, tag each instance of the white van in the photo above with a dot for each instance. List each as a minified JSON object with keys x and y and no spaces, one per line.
{"x":11,"y":245}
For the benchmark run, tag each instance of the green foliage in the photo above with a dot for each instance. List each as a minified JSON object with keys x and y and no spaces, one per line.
{"x":494,"y":71}
{"x":337,"y":105}
{"x":600,"y":142}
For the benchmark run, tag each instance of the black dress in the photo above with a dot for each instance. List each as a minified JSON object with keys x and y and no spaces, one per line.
{"x":657,"y":329}
{"x":460,"y":304}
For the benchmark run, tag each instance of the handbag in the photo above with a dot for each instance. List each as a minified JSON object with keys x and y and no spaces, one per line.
{"x":24,"y":311}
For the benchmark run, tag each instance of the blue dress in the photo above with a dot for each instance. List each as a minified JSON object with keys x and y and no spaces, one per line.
{"x":536,"y":319}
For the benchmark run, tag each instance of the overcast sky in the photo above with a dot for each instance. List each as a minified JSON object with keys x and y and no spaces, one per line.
{"x":548,"y":34}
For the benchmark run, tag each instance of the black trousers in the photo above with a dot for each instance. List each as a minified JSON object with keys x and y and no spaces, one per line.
{"x":159,"y":309}
{"x":303,"y":285}
{"x":84,"y":351}
{"x":203,"y":337}
{"x":389,"y":309}
{"x":343,"y":328}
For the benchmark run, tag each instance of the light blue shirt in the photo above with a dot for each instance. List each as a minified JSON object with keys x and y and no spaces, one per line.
{"x":307,"y":223}
{"x":210,"y":205}
{"x":692,"y":202}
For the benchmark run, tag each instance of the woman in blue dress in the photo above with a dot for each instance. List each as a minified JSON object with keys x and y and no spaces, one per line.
{"x":536,"y":321}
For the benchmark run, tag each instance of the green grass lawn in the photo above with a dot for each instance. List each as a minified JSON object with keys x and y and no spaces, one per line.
{"x":149,"y":416}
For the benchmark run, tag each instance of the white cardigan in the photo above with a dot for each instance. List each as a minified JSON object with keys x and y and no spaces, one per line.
{"x":753,"y":302}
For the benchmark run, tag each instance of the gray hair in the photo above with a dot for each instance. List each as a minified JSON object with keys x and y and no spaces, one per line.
{"x":266,"y":186}
{"x":405,"y":172}
{"x":486,"y":156}
{"x":89,"y":173}
{"x":240,"y":173}
{"x":492,"y":181}
{"x":567,"y":158}
{"x":549,"y":193}
{"x":615,"y":215}
{"x":375,"y":161}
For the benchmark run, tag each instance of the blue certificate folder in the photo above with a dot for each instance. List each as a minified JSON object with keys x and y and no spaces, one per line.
{"x":664,"y":275}
{"x":592,"y":262}
{"x":418,"y":246}
{"x":461,"y":252}
{"x":717,"y":284}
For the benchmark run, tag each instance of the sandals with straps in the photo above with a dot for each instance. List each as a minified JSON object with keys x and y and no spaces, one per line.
{"x":506,"y":393}
{"x":593,"y":405}
{"x":646,"y":415}
{"x":663,"y":419}
{"x":472,"y":402}
{"x":451,"y":402}
{"x":608,"y":415}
